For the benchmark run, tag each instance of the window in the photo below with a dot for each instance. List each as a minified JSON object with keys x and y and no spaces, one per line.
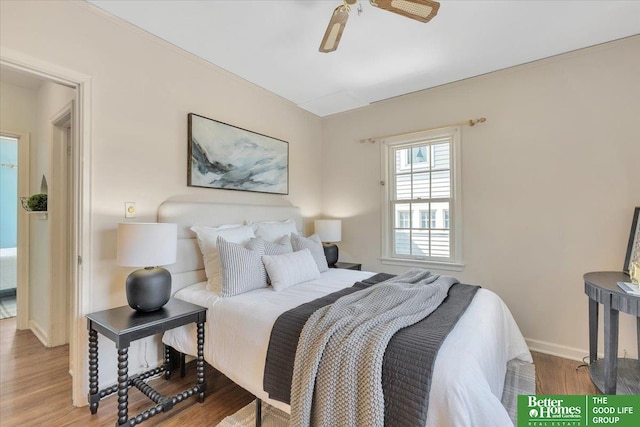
{"x":403,"y":219}
{"x":428,"y":218}
{"x":422,"y":210}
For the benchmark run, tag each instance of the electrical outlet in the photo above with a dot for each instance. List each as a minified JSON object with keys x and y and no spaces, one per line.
{"x":129,"y":209}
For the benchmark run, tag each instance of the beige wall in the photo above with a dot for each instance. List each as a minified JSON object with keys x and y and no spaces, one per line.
{"x":17,"y":108}
{"x":142,"y":90}
{"x":549,"y":181}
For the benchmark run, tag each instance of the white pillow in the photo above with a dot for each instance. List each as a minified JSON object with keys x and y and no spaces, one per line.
{"x":271,"y":231}
{"x":279,"y":247}
{"x":241,"y":265}
{"x":290,"y":269}
{"x":314,"y":245}
{"x":207,"y":240}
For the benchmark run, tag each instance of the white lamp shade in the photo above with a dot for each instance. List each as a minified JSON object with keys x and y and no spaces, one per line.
{"x":329,"y":230}
{"x":147,"y":244}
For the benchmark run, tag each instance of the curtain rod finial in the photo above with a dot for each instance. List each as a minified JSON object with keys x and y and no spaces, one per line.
{"x":473,"y":122}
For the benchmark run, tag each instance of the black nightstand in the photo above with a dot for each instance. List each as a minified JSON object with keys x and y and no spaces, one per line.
{"x":123,"y":325}
{"x":348,"y":266}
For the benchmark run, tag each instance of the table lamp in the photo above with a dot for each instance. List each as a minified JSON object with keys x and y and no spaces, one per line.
{"x":147,"y":245}
{"x":329,"y":231}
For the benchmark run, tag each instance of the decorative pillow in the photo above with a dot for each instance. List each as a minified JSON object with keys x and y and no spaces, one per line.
{"x":207,"y":240}
{"x":271,"y":231}
{"x":290,"y":269}
{"x":242,"y":268}
{"x":314,"y":245}
{"x":279,"y":247}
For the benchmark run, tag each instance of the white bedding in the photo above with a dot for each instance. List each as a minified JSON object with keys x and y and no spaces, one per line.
{"x":469,"y":370}
{"x":8,"y":272}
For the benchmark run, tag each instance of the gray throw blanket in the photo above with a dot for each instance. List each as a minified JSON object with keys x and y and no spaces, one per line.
{"x":341,"y":348}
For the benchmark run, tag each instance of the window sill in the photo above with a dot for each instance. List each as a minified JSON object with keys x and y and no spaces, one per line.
{"x":448,"y":266}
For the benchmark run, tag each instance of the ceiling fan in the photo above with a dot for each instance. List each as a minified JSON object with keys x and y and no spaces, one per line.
{"x":420,"y":10}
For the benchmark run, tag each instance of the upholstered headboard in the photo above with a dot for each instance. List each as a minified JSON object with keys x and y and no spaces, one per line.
{"x":189,"y":268}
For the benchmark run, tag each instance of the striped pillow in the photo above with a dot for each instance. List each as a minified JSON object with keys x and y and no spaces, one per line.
{"x":207,"y":240}
{"x":279,"y":247}
{"x":314,"y":245}
{"x":242,"y":268}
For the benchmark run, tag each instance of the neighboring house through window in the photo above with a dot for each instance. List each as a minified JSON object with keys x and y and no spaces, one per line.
{"x":422,"y":218}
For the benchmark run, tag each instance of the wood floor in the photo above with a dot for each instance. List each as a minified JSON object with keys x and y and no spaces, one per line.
{"x":35,"y":388}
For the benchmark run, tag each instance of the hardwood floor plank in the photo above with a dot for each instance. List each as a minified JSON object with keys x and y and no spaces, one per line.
{"x":555,"y":375}
{"x":35,"y":388}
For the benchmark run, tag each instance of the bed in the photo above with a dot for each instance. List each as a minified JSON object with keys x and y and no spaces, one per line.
{"x":469,"y":370}
{"x":8,"y":274}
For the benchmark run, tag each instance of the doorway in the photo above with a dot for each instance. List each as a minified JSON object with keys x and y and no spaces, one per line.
{"x":18,"y":164}
{"x":74,"y":182}
{"x":8,"y":225}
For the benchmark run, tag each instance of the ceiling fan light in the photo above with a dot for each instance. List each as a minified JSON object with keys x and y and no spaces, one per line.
{"x":334,"y":30}
{"x":421,"y":10}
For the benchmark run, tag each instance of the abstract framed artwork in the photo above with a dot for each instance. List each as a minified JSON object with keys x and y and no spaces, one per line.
{"x":633,"y":247}
{"x":228,"y":157}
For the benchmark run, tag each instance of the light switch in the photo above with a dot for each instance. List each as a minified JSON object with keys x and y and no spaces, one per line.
{"x":129,"y":209}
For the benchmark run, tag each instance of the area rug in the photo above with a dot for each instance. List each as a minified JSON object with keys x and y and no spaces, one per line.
{"x":8,"y":307}
{"x":521,"y":379}
{"x":246,"y":417}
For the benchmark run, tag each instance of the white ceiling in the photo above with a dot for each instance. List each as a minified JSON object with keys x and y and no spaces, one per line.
{"x":274,"y":44}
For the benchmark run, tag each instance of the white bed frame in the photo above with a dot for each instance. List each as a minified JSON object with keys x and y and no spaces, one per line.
{"x":189,"y":267}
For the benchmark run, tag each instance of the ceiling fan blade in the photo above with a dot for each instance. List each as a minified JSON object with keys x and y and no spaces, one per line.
{"x":334,"y":29}
{"x":420,"y":10}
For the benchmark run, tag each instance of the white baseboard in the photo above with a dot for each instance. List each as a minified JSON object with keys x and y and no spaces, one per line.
{"x":570,"y":353}
{"x":39,"y":332}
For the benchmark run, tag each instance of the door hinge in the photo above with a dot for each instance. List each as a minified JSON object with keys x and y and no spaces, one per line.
{"x":79,"y":260}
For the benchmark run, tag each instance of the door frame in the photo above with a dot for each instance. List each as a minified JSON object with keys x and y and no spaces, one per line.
{"x":62,"y":242}
{"x":22,"y":227}
{"x":80,"y":300}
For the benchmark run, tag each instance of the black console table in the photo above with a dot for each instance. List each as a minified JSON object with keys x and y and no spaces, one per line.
{"x":611,"y":375}
{"x":123,"y":325}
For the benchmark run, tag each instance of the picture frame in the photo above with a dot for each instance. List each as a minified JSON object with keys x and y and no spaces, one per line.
{"x":227,"y":157}
{"x":633,"y":247}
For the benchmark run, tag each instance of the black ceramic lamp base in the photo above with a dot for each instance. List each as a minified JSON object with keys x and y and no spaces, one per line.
{"x":148,"y":289}
{"x":331,"y":253}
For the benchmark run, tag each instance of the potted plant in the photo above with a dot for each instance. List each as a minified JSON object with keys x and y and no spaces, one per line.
{"x":37,"y":202}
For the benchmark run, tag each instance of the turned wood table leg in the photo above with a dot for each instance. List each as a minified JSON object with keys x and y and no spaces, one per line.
{"x":94,"y":395}
{"x":200,"y":363}
{"x":123,"y":386}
